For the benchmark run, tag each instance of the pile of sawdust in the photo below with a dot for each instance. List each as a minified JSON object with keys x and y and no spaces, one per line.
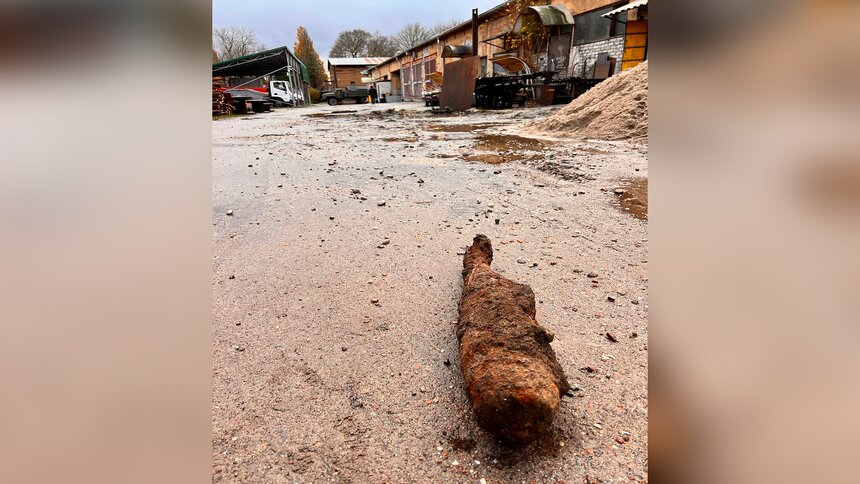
{"x":615,"y":109}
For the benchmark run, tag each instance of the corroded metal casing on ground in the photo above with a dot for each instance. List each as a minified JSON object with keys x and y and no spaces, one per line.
{"x":512,"y":376}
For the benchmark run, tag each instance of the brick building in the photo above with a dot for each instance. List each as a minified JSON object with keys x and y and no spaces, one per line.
{"x":561,"y":36}
{"x":345,"y":71}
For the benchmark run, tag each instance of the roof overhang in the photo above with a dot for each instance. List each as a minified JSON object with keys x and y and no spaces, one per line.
{"x":548,"y":15}
{"x":624,"y":8}
{"x":450,"y":51}
{"x":365,"y":62}
{"x":499,"y":9}
{"x":268,"y":62}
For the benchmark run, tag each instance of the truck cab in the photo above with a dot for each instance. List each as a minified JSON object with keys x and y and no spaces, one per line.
{"x":280,"y":92}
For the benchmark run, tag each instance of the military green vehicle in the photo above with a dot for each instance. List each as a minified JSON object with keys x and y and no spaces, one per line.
{"x":338,"y":96}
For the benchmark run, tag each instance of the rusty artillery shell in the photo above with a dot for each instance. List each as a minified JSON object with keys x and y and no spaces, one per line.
{"x":512,"y":376}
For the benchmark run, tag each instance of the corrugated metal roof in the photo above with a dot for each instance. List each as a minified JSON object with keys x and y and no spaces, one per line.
{"x":356,"y":61}
{"x":624,"y":8}
{"x":482,"y":16}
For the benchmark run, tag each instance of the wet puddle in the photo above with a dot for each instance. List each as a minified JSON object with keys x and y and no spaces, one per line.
{"x":633,"y":197}
{"x":506,"y":148}
{"x":506,"y":142}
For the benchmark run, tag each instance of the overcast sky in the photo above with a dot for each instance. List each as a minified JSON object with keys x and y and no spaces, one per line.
{"x":275,"y":21}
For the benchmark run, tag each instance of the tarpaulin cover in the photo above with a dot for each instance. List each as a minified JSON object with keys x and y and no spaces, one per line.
{"x":260,"y":63}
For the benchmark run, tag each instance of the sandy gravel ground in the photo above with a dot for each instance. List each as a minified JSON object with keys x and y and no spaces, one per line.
{"x":334,"y":353}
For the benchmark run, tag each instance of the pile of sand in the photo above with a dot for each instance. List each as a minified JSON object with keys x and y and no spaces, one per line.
{"x":615,"y":109}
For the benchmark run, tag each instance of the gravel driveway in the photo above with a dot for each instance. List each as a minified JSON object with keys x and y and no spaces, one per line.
{"x":338,"y":239}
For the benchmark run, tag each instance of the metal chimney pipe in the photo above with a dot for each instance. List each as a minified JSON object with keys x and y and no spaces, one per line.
{"x":475,"y":32}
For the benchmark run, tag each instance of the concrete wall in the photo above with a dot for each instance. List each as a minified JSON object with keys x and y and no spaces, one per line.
{"x":585,"y":55}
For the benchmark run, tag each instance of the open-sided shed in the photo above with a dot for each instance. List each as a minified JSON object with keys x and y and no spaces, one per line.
{"x":278,"y":61}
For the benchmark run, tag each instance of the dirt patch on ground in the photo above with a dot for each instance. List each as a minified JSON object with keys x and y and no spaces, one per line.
{"x":396,"y":113}
{"x":462,"y":128}
{"x":633,"y":197}
{"x":565,"y":171}
{"x":487,"y":158}
{"x":330,"y":114}
{"x":412,"y":139}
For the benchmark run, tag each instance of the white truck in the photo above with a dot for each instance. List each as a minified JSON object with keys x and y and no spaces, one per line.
{"x":279,"y":92}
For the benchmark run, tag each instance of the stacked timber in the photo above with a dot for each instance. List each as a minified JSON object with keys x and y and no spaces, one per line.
{"x":222,"y":103}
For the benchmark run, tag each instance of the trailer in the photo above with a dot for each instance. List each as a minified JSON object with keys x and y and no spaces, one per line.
{"x":503,"y":92}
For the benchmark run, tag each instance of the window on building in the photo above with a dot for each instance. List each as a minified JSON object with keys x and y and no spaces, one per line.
{"x":591,"y":27}
{"x":617,"y":24}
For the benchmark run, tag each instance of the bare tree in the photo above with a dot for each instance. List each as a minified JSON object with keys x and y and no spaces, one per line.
{"x":381,"y":46}
{"x":350,"y":43}
{"x":410,"y":36}
{"x":233,"y":42}
{"x":442,"y":27}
